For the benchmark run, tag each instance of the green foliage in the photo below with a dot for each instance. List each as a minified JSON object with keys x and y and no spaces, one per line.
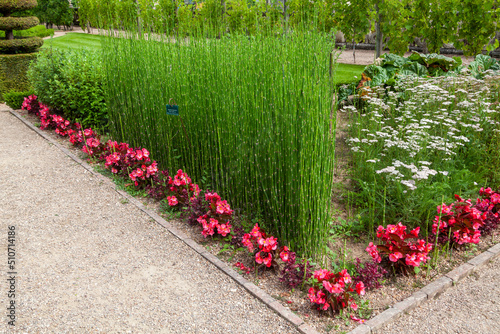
{"x":15,"y":99}
{"x":11,"y":6}
{"x":352,"y":19}
{"x":436,"y":21}
{"x":478,"y":22}
{"x":255,"y":113}
{"x":483,"y":63}
{"x":13,"y":72}
{"x":38,"y":31}
{"x":419,"y":65}
{"x":55,"y":12}
{"x":212,"y":17}
{"x":24,"y":45}
{"x":18,"y":23}
{"x":72,"y":83}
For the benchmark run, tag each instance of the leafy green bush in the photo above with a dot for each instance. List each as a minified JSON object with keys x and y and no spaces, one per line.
{"x":15,"y":99}
{"x":72,"y":83}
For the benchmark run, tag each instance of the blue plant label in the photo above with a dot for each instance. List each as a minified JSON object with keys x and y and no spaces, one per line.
{"x":172,"y":110}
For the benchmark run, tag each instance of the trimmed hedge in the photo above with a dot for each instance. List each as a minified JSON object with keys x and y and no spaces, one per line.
{"x":9,"y":6}
{"x":18,"y":23}
{"x":15,"y":99}
{"x":20,"y":45}
{"x":13,"y":70}
{"x":71,"y":83}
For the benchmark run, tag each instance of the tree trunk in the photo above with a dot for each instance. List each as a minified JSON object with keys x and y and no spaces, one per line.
{"x":378,"y":38}
{"x":9,"y":34}
{"x":354,"y":46}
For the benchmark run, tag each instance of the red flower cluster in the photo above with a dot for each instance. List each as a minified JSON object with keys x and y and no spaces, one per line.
{"x":401,"y":252}
{"x":243,"y":268}
{"x":334,"y":290}
{"x":182,"y":190}
{"x":268,"y":247}
{"x":461,"y":220}
{"x":489,"y":203}
{"x":218,"y":216}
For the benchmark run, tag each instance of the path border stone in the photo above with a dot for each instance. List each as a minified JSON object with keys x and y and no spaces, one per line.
{"x":428,"y":292}
{"x":254,"y":290}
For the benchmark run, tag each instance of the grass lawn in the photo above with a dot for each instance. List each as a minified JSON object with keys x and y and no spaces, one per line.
{"x":346,"y":73}
{"x":74,"y":40}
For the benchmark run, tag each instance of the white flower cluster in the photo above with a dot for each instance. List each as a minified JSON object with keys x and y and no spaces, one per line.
{"x":423,"y":118}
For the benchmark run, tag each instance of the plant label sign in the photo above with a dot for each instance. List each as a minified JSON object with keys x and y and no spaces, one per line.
{"x":172,"y":110}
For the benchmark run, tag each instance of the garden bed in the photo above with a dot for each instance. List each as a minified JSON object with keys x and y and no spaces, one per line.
{"x":393,"y":290}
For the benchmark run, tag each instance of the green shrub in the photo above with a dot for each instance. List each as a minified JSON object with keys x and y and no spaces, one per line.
{"x":13,"y":72}
{"x":15,"y":99}
{"x":71,"y":83}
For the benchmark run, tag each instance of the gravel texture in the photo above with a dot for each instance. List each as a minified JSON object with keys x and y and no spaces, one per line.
{"x":88,"y":261}
{"x":472,"y":306}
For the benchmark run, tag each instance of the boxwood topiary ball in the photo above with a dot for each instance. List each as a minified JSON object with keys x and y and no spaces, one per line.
{"x":20,"y":45}
{"x":9,"y":6}
{"x":18,"y":23}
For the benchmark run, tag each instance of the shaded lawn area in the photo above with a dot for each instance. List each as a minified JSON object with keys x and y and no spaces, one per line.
{"x":346,"y":73}
{"x":74,"y":40}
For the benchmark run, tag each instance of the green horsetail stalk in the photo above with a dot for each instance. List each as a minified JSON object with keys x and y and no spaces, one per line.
{"x":255,"y":116}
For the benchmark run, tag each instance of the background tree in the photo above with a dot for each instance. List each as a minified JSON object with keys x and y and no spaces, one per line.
{"x":353,"y":20}
{"x":56,"y":12}
{"x":435,"y":22}
{"x":392,"y":21}
{"x":479,"y":21}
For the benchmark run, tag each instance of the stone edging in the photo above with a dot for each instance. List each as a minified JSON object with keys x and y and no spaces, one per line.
{"x":428,"y":292}
{"x":260,"y":294}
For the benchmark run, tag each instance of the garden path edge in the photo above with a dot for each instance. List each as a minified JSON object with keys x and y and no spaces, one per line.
{"x":428,"y":292}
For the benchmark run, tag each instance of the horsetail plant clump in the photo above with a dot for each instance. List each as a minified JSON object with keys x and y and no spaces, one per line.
{"x":255,"y":117}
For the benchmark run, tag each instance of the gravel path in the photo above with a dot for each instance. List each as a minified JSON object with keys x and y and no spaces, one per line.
{"x":472,"y":306}
{"x":88,"y":262}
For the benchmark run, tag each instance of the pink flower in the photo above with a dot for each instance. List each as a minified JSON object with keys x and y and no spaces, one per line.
{"x":247,"y":241}
{"x":223,"y":208}
{"x":172,"y":201}
{"x":285,"y":254}
{"x":255,"y":232}
{"x":322,"y":275}
{"x":212,"y":197}
{"x":88,"y":132}
{"x":224,"y":229}
{"x":360,"y":288}
{"x":394,"y":257}
{"x":353,"y":317}
{"x":268,"y":244}
{"x":372,"y":250}
{"x":266,"y":260}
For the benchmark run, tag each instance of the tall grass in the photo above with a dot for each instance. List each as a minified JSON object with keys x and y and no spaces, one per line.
{"x":255,"y":119}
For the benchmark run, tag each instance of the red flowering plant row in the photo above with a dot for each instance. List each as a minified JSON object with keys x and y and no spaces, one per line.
{"x":399,"y":249}
{"x":464,"y":221}
{"x":136,"y":165}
